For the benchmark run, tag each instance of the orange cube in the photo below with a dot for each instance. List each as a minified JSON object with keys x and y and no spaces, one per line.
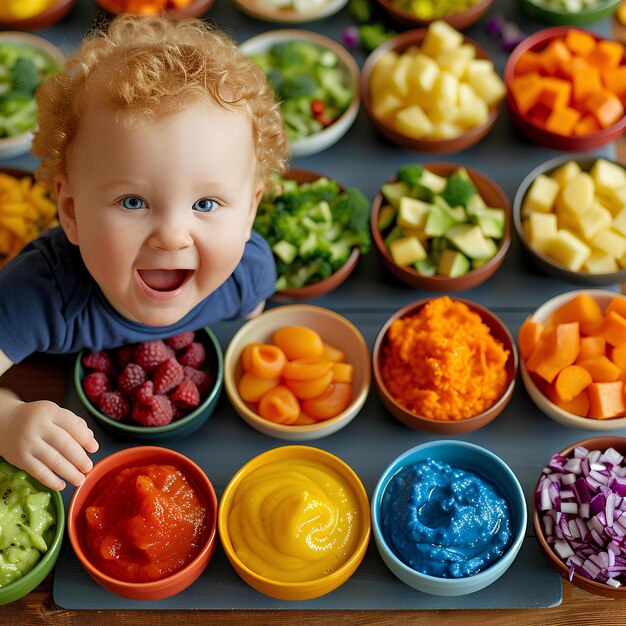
{"x":580,"y":42}
{"x":606,"y":108}
{"x":526,"y":90}
{"x":606,"y":54}
{"x":569,"y":69}
{"x":528,"y":62}
{"x":586,"y":125}
{"x":585,"y":83}
{"x":563,"y":121}
{"x":613,"y":329}
{"x":554,"y":56}
{"x":606,"y":400}
{"x":614,"y":79}
{"x":555,"y":93}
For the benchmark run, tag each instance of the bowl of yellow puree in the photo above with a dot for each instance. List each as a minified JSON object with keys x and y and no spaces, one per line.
{"x":294,"y":522}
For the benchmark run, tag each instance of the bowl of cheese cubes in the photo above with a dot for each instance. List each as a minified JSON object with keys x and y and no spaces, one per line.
{"x":432,"y":90}
{"x":570,"y":215}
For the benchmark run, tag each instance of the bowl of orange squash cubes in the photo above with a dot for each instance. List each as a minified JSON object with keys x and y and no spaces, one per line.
{"x":570,"y":215}
{"x":566,"y":88}
{"x":573,"y":358}
{"x":432,"y":90}
{"x":297,"y":372}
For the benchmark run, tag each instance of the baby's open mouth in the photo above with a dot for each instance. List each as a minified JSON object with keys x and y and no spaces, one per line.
{"x":163,"y":280}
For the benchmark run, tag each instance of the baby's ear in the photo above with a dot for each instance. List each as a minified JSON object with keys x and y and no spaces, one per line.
{"x":65,"y":204}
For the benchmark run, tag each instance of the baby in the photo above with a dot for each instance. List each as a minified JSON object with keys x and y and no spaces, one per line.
{"x":156,"y":139}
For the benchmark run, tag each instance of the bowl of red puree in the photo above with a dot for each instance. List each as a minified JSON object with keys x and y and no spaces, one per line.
{"x":143,"y":524}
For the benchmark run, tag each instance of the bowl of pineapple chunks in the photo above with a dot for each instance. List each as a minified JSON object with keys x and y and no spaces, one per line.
{"x":570,"y":215}
{"x":441,"y":226}
{"x":432,"y":90}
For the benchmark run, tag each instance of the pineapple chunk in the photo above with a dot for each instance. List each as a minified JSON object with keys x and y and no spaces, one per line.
{"x":413,"y":213}
{"x":600,"y":263}
{"x":385,"y":105}
{"x":456,"y":61}
{"x":413,"y":122}
{"x":399,"y":78}
{"x":472,"y":110}
{"x":446,"y":130}
{"x":566,"y":172}
{"x":407,"y":250}
{"x":608,"y":175}
{"x":445,"y":91}
{"x":578,"y":194}
{"x":440,"y":36}
{"x":568,"y":250}
{"x":424,"y":72}
{"x":613,"y":199}
{"x":541,"y":195}
{"x":489,"y":86}
{"x":610,"y":242}
{"x":478,"y":66}
{"x":542,"y":227}
{"x":597,"y":218}
{"x":442,"y":111}
{"x":381,"y":72}
{"x":619,"y":222}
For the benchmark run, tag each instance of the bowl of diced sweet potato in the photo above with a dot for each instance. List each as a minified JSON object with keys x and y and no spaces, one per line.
{"x":565,"y":88}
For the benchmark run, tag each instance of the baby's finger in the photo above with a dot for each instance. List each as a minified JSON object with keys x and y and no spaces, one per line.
{"x":41,"y":472}
{"x":56,"y":459}
{"x":78,"y":430}
{"x":63,"y":442}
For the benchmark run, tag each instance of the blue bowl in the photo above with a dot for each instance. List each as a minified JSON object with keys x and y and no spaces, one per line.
{"x":480,"y":461}
{"x":177,"y":429}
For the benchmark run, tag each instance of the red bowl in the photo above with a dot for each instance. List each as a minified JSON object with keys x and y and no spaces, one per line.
{"x":54,"y":13}
{"x":536,"y":133}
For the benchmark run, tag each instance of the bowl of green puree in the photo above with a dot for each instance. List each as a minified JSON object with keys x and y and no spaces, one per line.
{"x":32,"y":521}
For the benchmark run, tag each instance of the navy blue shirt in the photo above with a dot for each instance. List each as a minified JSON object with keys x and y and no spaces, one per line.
{"x":50,"y":303}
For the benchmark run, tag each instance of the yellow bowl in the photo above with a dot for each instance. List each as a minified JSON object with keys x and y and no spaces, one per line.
{"x":307,"y":589}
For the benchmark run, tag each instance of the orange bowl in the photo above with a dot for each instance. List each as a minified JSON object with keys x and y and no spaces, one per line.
{"x":195,"y":8}
{"x":533,"y":131}
{"x":143,"y":455}
{"x":54,"y":13}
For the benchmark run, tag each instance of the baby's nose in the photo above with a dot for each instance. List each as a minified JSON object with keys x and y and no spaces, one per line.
{"x":171,"y":234}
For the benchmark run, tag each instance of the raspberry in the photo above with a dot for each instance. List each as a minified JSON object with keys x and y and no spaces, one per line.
{"x":125,"y":355}
{"x":150,"y":354}
{"x":132,"y":377}
{"x":178,"y":412}
{"x":203,"y":380}
{"x":114,"y":405}
{"x":194,"y":355}
{"x":168,"y":375}
{"x":170,"y":352}
{"x":181,"y":341}
{"x":145,"y":391}
{"x":186,"y":395}
{"x":157,"y":411}
{"x":99,"y":361}
{"x":95,"y":384}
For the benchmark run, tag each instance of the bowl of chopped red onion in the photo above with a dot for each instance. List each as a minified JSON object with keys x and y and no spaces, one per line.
{"x":579,"y":514}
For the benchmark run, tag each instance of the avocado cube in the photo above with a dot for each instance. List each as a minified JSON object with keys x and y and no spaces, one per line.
{"x":470,"y":240}
{"x":397,"y":232}
{"x":453,"y":263}
{"x":386,"y":217}
{"x":285,"y":251}
{"x":433,"y":182}
{"x":438,"y":222}
{"x":413,"y":213}
{"x":392,"y":192}
{"x":427,"y":266}
{"x":474,"y":204}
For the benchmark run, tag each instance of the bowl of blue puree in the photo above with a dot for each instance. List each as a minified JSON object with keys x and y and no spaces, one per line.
{"x":448,"y":517}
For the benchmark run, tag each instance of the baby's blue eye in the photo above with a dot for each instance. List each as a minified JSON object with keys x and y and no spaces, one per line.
{"x":205,"y":205}
{"x":132,"y":202}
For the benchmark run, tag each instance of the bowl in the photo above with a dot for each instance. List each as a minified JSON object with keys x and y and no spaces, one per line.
{"x":469,"y":457}
{"x":589,"y":585}
{"x":454,"y":426}
{"x":491,"y":193}
{"x":32,"y":579}
{"x":177,"y":429}
{"x":195,"y":8}
{"x":333,"y":328}
{"x":315,"y":290}
{"x":460,"y":20}
{"x":54,"y":13}
{"x":297,"y":586}
{"x":399,"y":44}
{"x":261,"y":10}
{"x":535,"y":132}
{"x":19,"y":144}
{"x":542,"y":314}
{"x":111,"y":466}
{"x":543,"y":262}
{"x":551,"y":15}
{"x":330,"y":135}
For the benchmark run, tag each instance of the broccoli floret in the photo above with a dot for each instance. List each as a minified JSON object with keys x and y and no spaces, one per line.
{"x":341,"y":249}
{"x":25,"y":76}
{"x":288,"y":227}
{"x":307,"y":195}
{"x":331,"y":80}
{"x":458,"y":190}
{"x":286,"y":54}
{"x":411,"y":174}
{"x":352,"y":209}
{"x":307,"y":273}
{"x":301,"y":86}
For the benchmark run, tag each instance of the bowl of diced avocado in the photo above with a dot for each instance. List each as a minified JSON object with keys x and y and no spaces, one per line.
{"x":32,"y":523}
{"x":569,"y":12}
{"x":25,"y":62}
{"x":316,"y":81}
{"x":441,"y":226}
{"x":317,"y":231}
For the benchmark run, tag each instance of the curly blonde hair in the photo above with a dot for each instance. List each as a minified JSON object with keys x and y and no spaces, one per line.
{"x":151,"y":66}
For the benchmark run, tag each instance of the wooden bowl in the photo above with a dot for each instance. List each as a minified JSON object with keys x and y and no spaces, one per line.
{"x":261,"y":11}
{"x":47,"y":17}
{"x":493,"y":195}
{"x":446,"y":427}
{"x":461,"y":20}
{"x":399,"y":44}
{"x":195,"y":8}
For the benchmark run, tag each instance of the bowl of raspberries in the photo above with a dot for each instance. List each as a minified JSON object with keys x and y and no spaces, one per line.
{"x":155,"y":390}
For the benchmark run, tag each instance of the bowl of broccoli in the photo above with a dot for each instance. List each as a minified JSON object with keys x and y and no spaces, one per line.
{"x":317,"y":230}
{"x":25,"y":62}
{"x":316,"y":81}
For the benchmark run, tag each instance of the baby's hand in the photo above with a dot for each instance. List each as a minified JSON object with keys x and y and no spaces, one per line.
{"x":45,"y":440}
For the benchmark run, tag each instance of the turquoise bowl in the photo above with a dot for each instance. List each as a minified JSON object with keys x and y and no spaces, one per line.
{"x":480,"y":461}
{"x":537,"y":11}
{"x":24,"y":585}
{"x":174,"y":430}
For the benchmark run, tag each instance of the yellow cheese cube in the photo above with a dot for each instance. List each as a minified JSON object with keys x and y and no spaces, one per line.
{"x":566,"y":172}
{"x":610,"y":242}
{"x":413,"y":122}
{"x":600,"y":263}
{"x":542,"y":227}
{"x":541,"y":195}
{"x":568,"y":250}
{"x":440,"y":36}
{"x":407,"y":250}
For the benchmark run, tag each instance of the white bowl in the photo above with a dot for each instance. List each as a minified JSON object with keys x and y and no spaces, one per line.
{"x":542,"y":314}
{"x":260,"y":11}
{"x":333,"y":133}
{"x":333,"y":328}
{"x":20,"y":144}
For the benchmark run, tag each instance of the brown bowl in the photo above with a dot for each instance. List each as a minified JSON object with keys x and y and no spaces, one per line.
{"x":592,"y":586}
{"x":461,"y":20}
{"x":315,"y":290}
{"x":493,"y":195}
{"x":195,"y":8}
{"x":46,"y":18}
{"x":451,"y":427}
{"x":400,"y":43}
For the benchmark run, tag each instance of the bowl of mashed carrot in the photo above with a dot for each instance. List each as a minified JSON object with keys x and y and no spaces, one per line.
{"x":444,"y":365}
